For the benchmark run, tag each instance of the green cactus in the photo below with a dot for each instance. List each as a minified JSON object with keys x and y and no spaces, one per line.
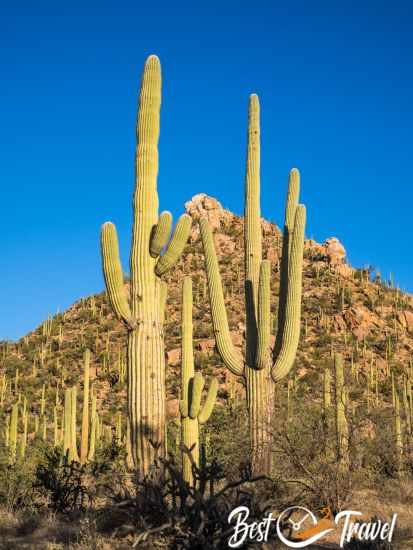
{"x":327,"y":389}
{"x":192,"y":383}
{"x":43,"y":401}
{"x":93,"y":429}
{"x":67,"y":421}
{"x":23,"y":441}
{"x":142,"y":314}
{"x":16,"y":381}
{"x":55,"y":427}
{"x":73,"y":454}
{"x":85,"y":411}
{"x":44,"y":431}
{"x":261,"y":367}
{"x":13,"y":431}
{"x":398,"y":433}
{"x":341,"y":420}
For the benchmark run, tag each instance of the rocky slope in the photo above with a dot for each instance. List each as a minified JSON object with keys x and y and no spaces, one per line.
{"x":343,"y":309}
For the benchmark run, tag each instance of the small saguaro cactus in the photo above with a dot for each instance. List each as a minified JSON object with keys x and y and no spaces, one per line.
{"x":192,"y":384}
{"x":261,"y":367}
{"x":326,"y":388}
{"x":13,"y":431}
{"x":143,"y":313}
{"x":85,"y":411}
{"x":398,"y":433}
{"x":93,"y":429}
{"x":73,"y":454}
{"x":341,"y":420}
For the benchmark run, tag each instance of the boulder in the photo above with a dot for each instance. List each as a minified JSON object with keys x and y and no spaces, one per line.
{"x":334,"y":251}
{"x":203,"y":206}
{"x":405,"y":318}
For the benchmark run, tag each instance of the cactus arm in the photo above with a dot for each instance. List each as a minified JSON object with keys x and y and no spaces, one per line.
{"x":208,"y":406}
{"x":176,"y":245}
{"x":187,"y":356}
{"x":112,"y":272}
{"x":195,"y":389}
{"x":160,"y":234}
{"x":290,"y":209}
{"x":284,"y":360}
{"x":264,"y":317}
{"x":230,"y":356}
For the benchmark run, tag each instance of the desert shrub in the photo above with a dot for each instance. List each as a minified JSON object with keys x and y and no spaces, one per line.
{"x":68,"y":486}
{"x":165,"y":508}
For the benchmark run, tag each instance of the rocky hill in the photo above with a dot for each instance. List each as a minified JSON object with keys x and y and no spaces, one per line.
{"x":344,"y":309}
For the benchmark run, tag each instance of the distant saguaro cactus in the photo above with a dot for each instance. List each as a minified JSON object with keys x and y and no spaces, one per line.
{"x":84,"y":445}
{"x":143,"y":313}
{"x":261,"y":367}
{"x":192,"y":384}
{"x":341,"y":419}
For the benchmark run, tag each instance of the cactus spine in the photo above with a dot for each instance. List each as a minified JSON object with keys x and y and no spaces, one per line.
{"x":142,"y":314}
{"x":260,"y":368}
{"x":85,"y":412}
{"x":192,"y":384}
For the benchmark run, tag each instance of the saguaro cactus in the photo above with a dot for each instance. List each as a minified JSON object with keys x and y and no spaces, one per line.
{"x":398,"y":434}
{"x":85,"y":411}
{"x":13,"y":431}
{"x":261,"y":366}
{"x":192,"y":384}
{"x":142,"y":314}
{"x":341,"y":420}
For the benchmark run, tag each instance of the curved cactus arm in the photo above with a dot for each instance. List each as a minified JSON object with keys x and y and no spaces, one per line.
{"x":162,"y":299}
{"x":187,"y":356}
{"x":176,"y":245}
{"x":290,"y":210}
{"x":160,"y":234}
{"x":112,"y":272}
{"x":208,"y":406}
{"x":284,"y":360}
{"x":195,"y":394}
{"x":230,"y":356}
{"x":264,"y":316}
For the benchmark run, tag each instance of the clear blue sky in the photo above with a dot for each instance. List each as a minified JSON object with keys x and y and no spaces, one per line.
{"x":335,"y":83}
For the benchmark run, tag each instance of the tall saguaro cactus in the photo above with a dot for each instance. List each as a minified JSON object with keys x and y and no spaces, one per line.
{"x":142,"y":313}
{"x":261,"y":366}
{"x":193,"y":414}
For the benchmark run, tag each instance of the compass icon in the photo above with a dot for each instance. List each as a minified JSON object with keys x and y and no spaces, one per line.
{"x":304,"y":513}
{"x":306,"y":519}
